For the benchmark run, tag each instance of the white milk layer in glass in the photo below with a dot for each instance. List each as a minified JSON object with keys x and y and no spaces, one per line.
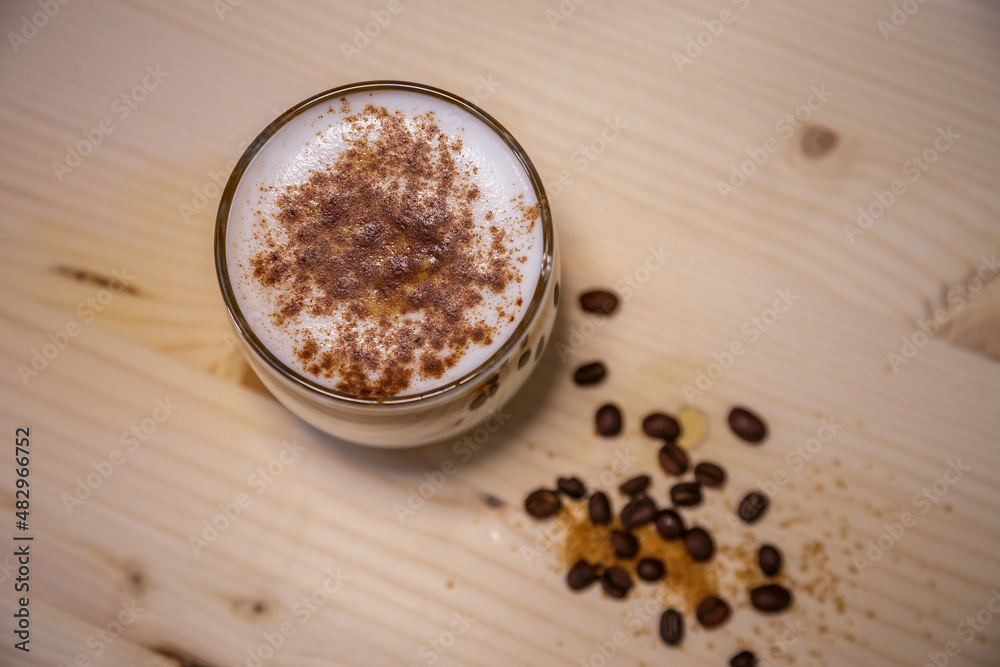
{"x":376,"y":339}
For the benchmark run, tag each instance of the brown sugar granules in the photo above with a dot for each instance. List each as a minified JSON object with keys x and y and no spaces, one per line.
{"x":384,"y":246}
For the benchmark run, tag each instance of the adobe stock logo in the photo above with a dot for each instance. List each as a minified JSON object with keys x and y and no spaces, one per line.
{"x":31,"y":25}
{"x":363,"y":35}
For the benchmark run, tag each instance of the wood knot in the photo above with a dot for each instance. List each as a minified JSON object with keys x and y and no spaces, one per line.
{"x":135,"y":578}
{"x":818,"y":140}
{"x":252,"y":607}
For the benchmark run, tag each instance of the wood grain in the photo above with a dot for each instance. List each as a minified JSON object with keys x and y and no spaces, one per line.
{"x":142,"y":204}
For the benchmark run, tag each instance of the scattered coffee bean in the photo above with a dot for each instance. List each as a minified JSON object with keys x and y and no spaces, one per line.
{"x":608,"y":420}
{"x":624,"y":544}
{"x":599,"y":301}
{"x":659,"y":425}
{"x":581,"y":575}
{"x":752,"y":507}
{"x":635,"y":486}
{"x":746,"y":425}
{"x":671,"y":627}
{"x":770,"y":597}
{"x":769,"y":559}
{"x":743,"y":659}
{"x":542,"y":503}
{"x":685,"y":494}
{"x":571,"y":486}
{"x":590,"y":373}
{"x":699,"y":544}
{"x":673,"y":459}
{"x":599,"y":509}
{"x":616,"y":582}
{"x":651,"y":569}
{"x":670,"y":525}
{"x":713,"y":611}
{"x":710,"y":474}
{"x":638,"y":512}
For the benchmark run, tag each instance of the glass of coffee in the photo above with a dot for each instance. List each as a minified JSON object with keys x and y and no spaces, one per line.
{"x":387,"y":256}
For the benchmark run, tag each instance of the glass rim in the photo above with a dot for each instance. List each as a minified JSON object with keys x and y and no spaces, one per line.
{"x":305,"y":383}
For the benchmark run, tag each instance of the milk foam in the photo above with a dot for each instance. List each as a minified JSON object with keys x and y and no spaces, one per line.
{"x":311,"y":142}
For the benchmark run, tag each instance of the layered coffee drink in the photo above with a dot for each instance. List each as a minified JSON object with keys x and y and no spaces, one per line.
{"x":386,"y":245}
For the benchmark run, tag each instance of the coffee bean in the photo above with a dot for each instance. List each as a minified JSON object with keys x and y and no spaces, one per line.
{"x":590,"y":373}
{"x":616,"y":582}
{"x":746,"y":425}
{"x":542,"y":503}
{"x":599,"y":509}
{"x":752,"y":507}
{"x":608,"y":420}
{"x":699,"y":544}
{"x":671,"y":627}
{"x":571,"y":486}
{"x":581,"y":575}
{"x":659,"y":425}
{"x":638,"y":512}
{"x":710,"y":474}
{"x":651,"y":569}
{"x":712,"y":612}
{"x":769,"y":559}
{"x":599,"y":301}
{"x":743,"y":659}
{"x":624,"y":544}
{"x":770,"y":597}
{"x":673,"y":459}
{"x":685,"y":494}
{"x":635,"y":486}
{"x":670,"y":525}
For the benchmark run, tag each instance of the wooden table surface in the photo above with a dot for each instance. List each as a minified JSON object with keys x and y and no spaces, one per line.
{"x":179,"y":515}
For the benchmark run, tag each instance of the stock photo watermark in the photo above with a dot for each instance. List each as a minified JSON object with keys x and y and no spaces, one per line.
{"x":636,"y":619}
{"x":210,"y":191}
{"x":966,"y":630}
{"x":695,"y":45}
{"x":625,"y":287}
{"x":223,"y":7}
{"x":130,"y":440}
{"x":121,"y":108}
{"x":206,"y":195}
{"x":230,"y":512}
{"x":752,"y":330}
{"x":364,"y":34}
{"x":913,"y":168}
{"x":302,"y":610}
{"x":98,"y":642}
{"x":485,"y":86}
{"x":796,"y":459}
{"x":898,"y":17}
{"x":922,"y":502}
{"x":88,"y":309}
{"x":585,"y":155}
{"x":786,"y":126}
{"x":555,"y":529}
{"x":463,"y":451}
{"x":562,"y":12}
{"x":957,"y":298}
{"x":32,"y":24}
{"x":779,"y":651}
{"x":432,"y":650}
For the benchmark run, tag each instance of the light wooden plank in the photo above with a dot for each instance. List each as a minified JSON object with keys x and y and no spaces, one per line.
{"x":654,"y":186}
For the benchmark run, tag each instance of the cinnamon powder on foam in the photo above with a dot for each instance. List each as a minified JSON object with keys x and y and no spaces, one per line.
{"x":384,"y":239}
